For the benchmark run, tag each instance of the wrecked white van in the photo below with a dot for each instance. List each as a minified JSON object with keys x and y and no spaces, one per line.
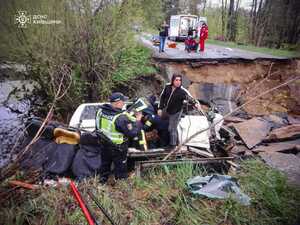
{"x":190,"y":123}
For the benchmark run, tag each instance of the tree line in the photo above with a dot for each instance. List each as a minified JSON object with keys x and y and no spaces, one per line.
{"x":271,"y":23}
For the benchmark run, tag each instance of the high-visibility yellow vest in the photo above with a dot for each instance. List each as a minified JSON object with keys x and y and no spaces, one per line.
{"x":106,"y":123}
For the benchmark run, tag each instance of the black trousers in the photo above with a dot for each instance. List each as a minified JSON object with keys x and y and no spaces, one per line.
{"x":117,"y":156}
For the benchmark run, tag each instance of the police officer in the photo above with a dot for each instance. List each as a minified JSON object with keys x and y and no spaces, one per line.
{"x":118,"y":126}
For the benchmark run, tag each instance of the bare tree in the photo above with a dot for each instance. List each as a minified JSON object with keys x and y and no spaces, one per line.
{"x":204,"y":6}
{"x":232,"y":23}
{"x":224,"y":8}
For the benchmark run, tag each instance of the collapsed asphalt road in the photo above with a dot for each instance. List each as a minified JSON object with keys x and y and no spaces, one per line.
{"x":212,"y":52}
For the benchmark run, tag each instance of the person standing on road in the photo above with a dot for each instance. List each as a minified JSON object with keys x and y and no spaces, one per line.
{"x":203,"y":36}
{"x":163,"y":34}
{"x":118,"y":126}
{"x":171,"y":104}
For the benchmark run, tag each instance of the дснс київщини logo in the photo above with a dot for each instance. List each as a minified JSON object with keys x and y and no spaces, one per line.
{"x":22,"y":19}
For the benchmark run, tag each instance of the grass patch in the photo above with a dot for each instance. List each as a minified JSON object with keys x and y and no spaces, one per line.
{"x":270,"y":51}
{"x":163,"y":198}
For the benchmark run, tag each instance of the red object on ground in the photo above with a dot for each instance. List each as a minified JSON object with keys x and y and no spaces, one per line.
{"x":172,"y":45}
{"x":81,"y":203}
{"x":203,"y":36}
{"x":23,"y":184}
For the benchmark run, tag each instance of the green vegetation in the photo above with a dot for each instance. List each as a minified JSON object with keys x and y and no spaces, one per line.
{"x":271,"y":51}
{"x":133,"y":62}
{"x":160,"y":198}
{"x":89,"y":52}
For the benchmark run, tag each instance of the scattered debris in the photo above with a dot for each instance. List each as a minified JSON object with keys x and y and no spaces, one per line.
{"x":217,"y":187}
{"x":23,"y":184}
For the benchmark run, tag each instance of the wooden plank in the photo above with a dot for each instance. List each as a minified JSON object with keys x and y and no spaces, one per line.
{"x":151,"y":153}
{"x":138,"y":169}
{"x":200,"y":152}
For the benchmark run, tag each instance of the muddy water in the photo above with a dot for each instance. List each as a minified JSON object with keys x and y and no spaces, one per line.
{"x":16,"y":101}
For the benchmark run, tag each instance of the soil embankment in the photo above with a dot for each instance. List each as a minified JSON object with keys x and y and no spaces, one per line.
{"x":240,"y":81}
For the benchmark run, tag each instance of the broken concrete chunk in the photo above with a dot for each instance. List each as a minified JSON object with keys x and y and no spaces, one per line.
{"x":290,"y":132}
{"x":278,"y":147}
{"x":287,"y":163}
{"x":252,"y":131}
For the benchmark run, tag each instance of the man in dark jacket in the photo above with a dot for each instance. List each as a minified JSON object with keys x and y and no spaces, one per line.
{"x":171,"y":101}
{"x":163,"y":34}
{"x":118,"y":126}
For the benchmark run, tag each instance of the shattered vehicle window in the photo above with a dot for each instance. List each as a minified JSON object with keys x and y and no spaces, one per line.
{"x":89,"y":112}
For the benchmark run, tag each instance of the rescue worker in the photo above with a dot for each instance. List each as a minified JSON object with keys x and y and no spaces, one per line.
{"x":203,"y":36}
{"x":118,"y":126}
{"x":171,"y":104}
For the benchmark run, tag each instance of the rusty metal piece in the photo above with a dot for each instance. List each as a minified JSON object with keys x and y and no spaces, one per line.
{"x":23,"y":184}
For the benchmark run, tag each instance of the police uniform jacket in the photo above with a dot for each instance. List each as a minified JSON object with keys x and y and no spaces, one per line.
{"x":123,"y":124}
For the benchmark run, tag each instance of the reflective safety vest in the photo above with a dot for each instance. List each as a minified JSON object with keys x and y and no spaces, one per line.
{"x":106,"y":123}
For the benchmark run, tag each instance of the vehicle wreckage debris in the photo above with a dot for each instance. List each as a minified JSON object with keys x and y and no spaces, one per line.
{"x":258,"y":135}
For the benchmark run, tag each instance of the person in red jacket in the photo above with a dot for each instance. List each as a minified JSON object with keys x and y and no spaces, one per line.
{"x":190,"y":44}
{"x":203,"y":36}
